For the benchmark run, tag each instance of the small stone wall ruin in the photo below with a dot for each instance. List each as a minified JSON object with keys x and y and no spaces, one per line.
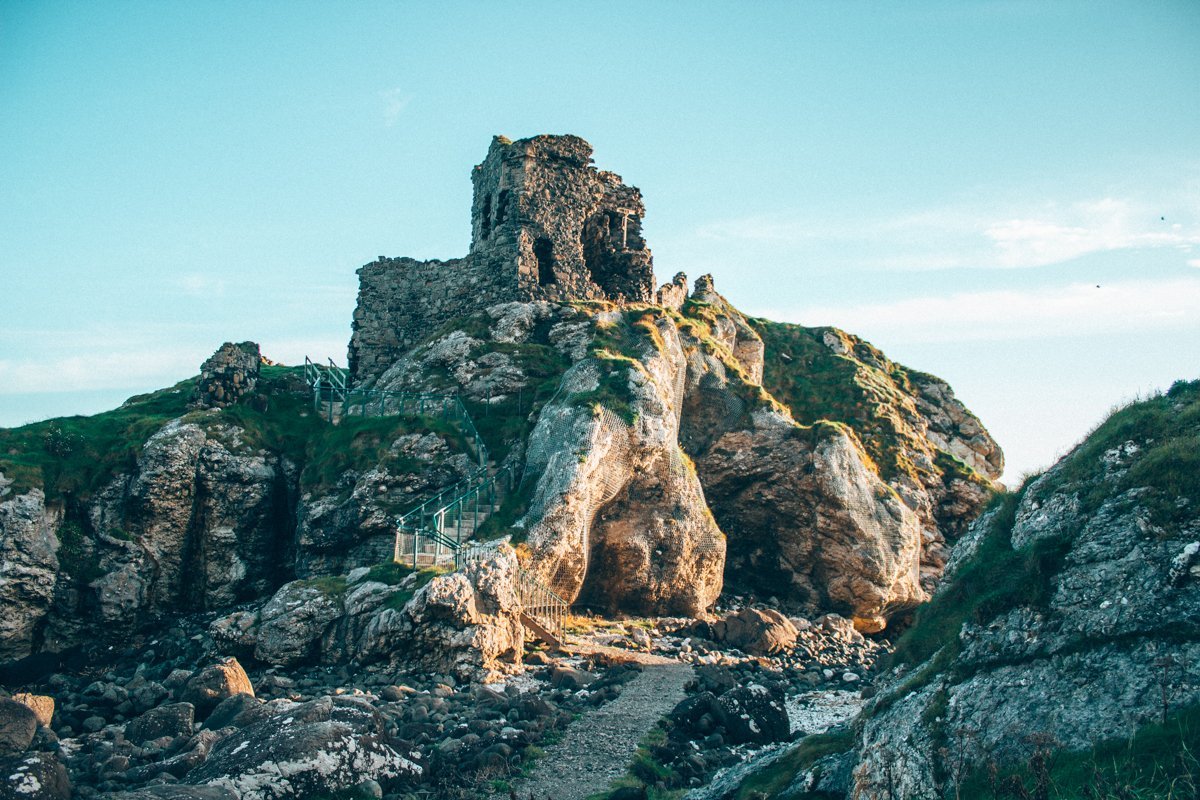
{"x":228,"y":375}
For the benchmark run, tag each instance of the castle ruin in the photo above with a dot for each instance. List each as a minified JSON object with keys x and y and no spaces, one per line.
{"x":545,"y":225}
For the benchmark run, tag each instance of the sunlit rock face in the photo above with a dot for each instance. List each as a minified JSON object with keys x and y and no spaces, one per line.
{"x":661,"y":446}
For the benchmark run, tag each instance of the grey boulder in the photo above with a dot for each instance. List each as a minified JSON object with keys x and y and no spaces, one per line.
{"x":172,"y":720}
{"x":320,"y":747}
{"x":33,"y":776}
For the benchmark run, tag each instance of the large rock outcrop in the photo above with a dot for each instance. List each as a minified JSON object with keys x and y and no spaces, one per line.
{"x":618,"y":517}
{"x":809,"y":519}
{"x":319,"y":748}
{"x":923,"y":442}
{"x":28,"y":570}
{"x":465,"y":623}
{"x":1092,"y":588}
{"x":648,"y":399}
{"x":198,"y":522}
{"x":196,"y":525}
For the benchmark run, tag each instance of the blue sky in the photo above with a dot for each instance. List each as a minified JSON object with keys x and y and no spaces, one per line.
{"x":1006,"y":194}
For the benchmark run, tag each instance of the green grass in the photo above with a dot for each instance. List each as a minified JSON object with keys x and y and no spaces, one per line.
{"x":999,"y":578}
{"x":1166,"y":429}
{"x":390,"y":573}
{"x":996,"y":579}
{"x":362,"y":443}
{"x":513,"y":506}
{"x":76,"y":456}
{"x":333,"y":586}
{"x":773,"y":779}
{"x":72,"y":458}
{"x":865,"y":390}
{"x":1159,"y":762}
{"x":503,"y":424}
{"x":647,"y":771}
{"x":74,"y":556}
{"x":400,"y":599}
{"x":618,"y":346}
{"x":612,"y":391}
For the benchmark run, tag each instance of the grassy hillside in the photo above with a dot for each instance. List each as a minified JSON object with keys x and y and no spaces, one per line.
{"x":1159,"y":762}
{"x":77,"y":455}
{"x":74,"y":457}
{"x":863,"y":389}
{"x":1165,"y":431}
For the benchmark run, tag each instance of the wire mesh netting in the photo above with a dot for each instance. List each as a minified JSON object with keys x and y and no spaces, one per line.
{"x":555,"y":423}
{"x":690,"y":494}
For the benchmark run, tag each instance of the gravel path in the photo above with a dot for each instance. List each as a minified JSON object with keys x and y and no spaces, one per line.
{"x":596,"y":749}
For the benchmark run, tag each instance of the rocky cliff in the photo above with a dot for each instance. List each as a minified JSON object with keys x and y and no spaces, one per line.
{"x":1061,"y":650}
{"x":656,"y":464}
{"x":651,"y":466}
{"x":124,"y":519}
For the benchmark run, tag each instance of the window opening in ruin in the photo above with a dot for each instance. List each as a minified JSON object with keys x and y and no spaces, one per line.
{"x":543,"y":251}
{"x":604,"y":236}
{"x":485,"y":217}
{"x":501,"y":206}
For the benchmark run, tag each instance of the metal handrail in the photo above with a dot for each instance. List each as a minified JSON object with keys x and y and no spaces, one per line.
{"x":534,"y":597}
{"x":437,"y":497}
{"x":541,"y":602}
{"x":537,"y":599}
{"x":333,"y":382}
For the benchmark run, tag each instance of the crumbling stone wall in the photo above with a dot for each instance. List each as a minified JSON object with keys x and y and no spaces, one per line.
{"x":228,"y":375}
{"x":401,"y":301}
{"x":545,"y":225}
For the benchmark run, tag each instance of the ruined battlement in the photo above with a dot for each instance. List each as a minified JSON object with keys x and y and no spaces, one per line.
{"x":545,"y":225}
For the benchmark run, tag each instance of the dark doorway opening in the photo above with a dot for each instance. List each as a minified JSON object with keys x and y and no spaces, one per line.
{"x":485,"y":217}
{"x":501,"y":207}
{"x":543,"y":251}
{"x":602,"y":240}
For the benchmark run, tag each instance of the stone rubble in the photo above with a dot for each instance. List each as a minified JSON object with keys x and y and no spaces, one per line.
{"x":228,"y":375}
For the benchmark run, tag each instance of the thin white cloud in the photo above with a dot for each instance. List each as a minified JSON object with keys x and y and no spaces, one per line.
{"x":989,"y":238}
{"x":394,"y":103}
{"x":1083,"y":228}
{"x":1077,"y":309}
{"x":1194,"y":262}
{"x":198,"y":285}
{"x":98,"y":371}
{"x":123,"y":365}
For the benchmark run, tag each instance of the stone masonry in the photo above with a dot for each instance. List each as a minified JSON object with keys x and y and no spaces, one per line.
{"x":545,"y":225}
{"x":228,"y":375}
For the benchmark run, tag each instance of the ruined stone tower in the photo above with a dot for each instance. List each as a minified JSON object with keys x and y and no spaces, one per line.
{"x":545,"y":225}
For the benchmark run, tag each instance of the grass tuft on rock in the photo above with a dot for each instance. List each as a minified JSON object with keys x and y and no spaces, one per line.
{"x":1164,"y":431}
{"x":857,"y":385}
{"x":773,"y":779}
{"x":1159,"y":762}
{"x":75,"y":456}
